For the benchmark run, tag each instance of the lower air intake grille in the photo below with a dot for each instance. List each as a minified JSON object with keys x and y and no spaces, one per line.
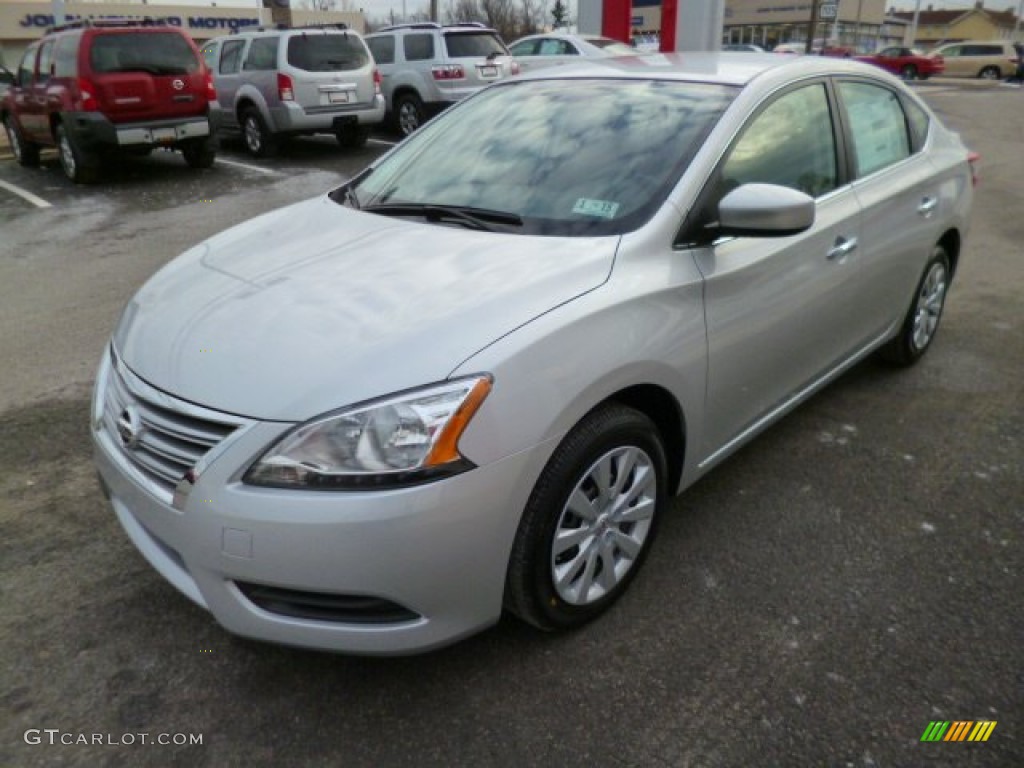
{"x":324,"y":606}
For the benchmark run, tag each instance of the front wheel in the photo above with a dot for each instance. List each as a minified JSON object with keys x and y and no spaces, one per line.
{"x":909,"y":72}
{"x":25,"y":152}
{"x":922,"y":320}
{"x":79,"y":166}
{"x":590,"y":520}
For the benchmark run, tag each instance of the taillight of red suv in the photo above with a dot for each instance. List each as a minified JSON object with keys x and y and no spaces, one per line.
{"x":85,"y":99}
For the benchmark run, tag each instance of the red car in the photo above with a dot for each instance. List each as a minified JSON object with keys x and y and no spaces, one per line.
{"x":906,"y":62}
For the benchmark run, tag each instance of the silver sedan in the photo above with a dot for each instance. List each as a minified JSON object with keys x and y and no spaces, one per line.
{"x":473,"y":378}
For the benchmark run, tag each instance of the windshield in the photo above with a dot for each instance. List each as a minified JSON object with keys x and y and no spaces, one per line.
{"x":568,"y":157}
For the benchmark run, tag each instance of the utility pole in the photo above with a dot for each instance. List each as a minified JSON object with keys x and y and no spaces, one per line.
{"x":913,"y":24}
{"x":813,"y":26}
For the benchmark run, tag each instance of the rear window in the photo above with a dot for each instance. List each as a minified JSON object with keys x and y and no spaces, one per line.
{"x":159,"y":53}
{"x":468,"y":44}
{"x":327,"y":53}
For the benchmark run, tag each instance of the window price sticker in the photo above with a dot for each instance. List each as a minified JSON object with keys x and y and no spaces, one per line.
{"x":600,"y":208}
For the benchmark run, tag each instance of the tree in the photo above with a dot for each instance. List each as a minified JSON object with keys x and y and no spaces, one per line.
{"x":559,"y":14}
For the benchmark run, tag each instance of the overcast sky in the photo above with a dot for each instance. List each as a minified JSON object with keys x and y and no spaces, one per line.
{"x":379,"y":9}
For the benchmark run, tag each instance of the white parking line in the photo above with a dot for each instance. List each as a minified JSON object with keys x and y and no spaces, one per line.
{"x":382,"y":142}
{"x":38,"y":202}
{"x":256,"y":168}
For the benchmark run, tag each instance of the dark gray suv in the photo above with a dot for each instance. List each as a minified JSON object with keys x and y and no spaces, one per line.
{"x":276,"y":83}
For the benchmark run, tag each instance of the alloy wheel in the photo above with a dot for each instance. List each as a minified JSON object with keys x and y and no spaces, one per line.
{"x":603,"y":525}
{"x":929,"y":305}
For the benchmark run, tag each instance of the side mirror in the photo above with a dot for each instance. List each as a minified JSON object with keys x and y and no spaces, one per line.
{"x":764,"y":210}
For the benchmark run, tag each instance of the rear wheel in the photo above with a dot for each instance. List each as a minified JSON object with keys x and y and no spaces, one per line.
{"x":199,"y":153}
{"x":353,"y":136}
{"x":257,"y":136}
{"x":80,"y":166}
{"x":409,"y":113}
{"x":909,"y":72}
{"x":990,"y":73}
{"x":25,"y":152}
{"x":922,"y":320}
{"x":590,"y":520}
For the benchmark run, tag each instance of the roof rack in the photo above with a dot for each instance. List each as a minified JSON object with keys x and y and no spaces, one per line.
{"x":476,"y":24}
{"x":282,"y":27}
{"x":107,"y":22}
{"x":416,"y":25}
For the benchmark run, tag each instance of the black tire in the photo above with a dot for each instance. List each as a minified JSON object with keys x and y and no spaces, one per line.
{"x":593,"y":561}
{"x":353,"y":136}
{"x":922,"y":319}
{"x":80,"y":166}
{"x":409,"y":113}
{"x":25,"y":152}
{"x":990,"y":73}
{"x":256,"y":136}
{"x":908,"y":72}
{"x":199,"y":153}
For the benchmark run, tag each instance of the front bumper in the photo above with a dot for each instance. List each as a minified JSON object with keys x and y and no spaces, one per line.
{"x":399,"y":571}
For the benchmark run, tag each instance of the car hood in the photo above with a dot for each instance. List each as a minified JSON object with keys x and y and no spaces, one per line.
{"x":316,"y":306}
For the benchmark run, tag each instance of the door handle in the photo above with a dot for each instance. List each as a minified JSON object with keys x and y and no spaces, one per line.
{"x":843,"y":247}
{"x":928,"y":206}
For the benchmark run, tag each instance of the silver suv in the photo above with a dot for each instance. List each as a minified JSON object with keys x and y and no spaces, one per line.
{"x":275,"y":83}
{"x":426,"y":67}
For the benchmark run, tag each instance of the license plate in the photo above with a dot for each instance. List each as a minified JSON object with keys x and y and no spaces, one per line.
{"x":163,"y":135}
{"x":488,"y":71}
{"x":337,"y":97}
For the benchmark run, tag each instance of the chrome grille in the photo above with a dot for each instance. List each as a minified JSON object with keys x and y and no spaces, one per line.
{"x":163,"y":443}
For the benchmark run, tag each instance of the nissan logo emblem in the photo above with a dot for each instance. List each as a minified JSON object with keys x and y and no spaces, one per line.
{"x":178,"y":84}
{"x":129,"y":426}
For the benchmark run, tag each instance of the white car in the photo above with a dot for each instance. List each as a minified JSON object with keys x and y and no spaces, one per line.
{"x":555,"y":48}
{"x":473,"y":377}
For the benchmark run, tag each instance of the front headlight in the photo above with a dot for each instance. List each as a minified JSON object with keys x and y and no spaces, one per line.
{"x":403,"y":440}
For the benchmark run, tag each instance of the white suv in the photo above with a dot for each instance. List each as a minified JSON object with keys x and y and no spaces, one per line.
{"x":427,"y":67}
{"x":275,"y":83}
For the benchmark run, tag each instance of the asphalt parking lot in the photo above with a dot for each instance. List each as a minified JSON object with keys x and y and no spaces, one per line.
{"x":818,"y":600}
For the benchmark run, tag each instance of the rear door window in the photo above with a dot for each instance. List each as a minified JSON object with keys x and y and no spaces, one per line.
{"x":45,"y":59}
{"x":327,"y":53}
{"x":878,"y":126}
{"x":159,"y":53}
{"x":262,"y":54}
{"x":65,"y":56}
{"x":462,"y":45}
{"x":418,"y":47}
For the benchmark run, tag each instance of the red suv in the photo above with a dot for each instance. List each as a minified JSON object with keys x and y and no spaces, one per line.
{"x":92,"y":89}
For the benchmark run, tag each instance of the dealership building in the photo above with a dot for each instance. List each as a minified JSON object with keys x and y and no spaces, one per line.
{"x":23,"y":22}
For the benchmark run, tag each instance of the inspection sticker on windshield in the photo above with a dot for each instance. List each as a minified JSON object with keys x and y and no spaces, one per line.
{"x":601,"y":208}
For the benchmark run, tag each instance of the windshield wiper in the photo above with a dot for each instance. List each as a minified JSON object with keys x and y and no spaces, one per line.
{"x":474,"y":218}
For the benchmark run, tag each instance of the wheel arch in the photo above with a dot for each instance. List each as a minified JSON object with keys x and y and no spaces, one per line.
{"x":662,"y":408}
{"x":951,"y":241}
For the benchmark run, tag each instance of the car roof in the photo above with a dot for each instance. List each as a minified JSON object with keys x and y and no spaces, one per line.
{"x":725,"y":67}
